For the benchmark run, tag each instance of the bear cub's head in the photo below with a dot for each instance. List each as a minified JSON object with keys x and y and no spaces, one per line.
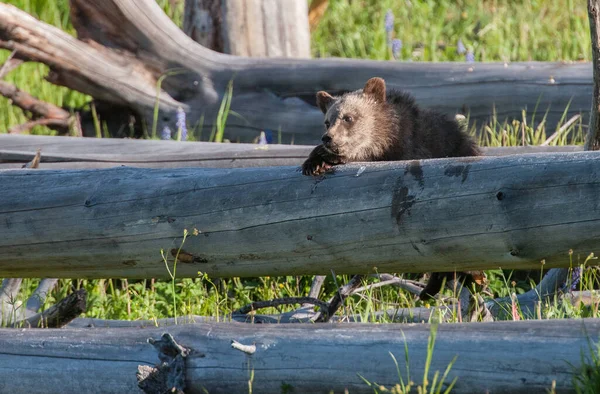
{"x":351,"y":120}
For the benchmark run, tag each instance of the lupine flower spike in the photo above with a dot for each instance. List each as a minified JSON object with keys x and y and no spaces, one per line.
{"x":470,"y":57}
{"x":396,"y":48}
{"x":389,"y":25}
{"x":181,"y":127}
{"x":166,"y":133}
{"x":460,"y":47}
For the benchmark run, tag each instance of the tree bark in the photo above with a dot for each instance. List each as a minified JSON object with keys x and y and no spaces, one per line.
{"x":251,"y":28}
{"x":431,"y":215}
{"x":82,"y":153}
{"x":202,"y":21}
{"x":305,"y":358}
{"x":125,"y":46}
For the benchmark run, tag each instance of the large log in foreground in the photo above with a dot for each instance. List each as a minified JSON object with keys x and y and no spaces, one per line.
{"x":415,"y":216}
{"x":126,"y":46}
{"x":302,"y":358}
{"x":81,"y":153}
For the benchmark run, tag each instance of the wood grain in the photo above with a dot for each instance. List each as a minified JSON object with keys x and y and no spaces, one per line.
{"x":501,"y":357}
{"x":417,"y":216}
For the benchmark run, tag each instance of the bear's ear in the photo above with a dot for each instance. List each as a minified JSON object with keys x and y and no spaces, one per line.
{"x":375,"y":87}
{"x":324,"y":101}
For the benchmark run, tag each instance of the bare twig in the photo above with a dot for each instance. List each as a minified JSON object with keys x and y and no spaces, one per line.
{"x":282,"y":301}
{"x":411,"y":286}
{"x":338,"y":300}
{"x":248,"y":349}
{"x":42,"y":113}
{"x":559,"y":132}
{"x":59,"y":314}
{"x":52,"y":123}
{"x":10,"y":64}
{"x":27,"y":102}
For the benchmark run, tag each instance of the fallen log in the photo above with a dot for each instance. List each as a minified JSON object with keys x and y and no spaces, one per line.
{"x":126,"y":46}
{"x":305,"y":358}
{"x":81,"y":153}
{"x":514,"y":212}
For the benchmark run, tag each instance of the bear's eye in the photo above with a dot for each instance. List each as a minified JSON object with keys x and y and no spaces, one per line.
{"x":327,"y":124}
{"x":347,"y":119}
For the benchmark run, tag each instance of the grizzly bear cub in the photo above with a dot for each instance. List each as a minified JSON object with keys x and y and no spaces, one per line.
{"x":374,"y":125}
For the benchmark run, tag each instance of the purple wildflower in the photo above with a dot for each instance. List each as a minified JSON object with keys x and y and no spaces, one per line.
{"x":181,"y":127}
{"x":575,"y":278}
{"x":460,"y":47}
{"x":396,"y":47}
{"x":389,"y":21}
{"x":166,"y":133}
{"x":470,"y":57}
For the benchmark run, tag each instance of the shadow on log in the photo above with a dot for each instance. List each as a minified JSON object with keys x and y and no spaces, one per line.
{"x":125,"y":46}
{"x":417,"y":216}
{"x":305,"y":358}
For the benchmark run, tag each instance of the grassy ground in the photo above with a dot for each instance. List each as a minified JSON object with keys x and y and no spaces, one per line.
{"x":429,"y":31}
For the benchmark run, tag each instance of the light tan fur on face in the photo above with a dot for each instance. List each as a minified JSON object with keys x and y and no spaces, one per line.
{"x":364,"y":109}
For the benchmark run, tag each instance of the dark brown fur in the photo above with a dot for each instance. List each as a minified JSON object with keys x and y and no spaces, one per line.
{"x":374,"y":125}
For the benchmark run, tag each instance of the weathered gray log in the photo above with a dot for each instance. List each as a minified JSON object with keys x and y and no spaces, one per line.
{"x":430,"y":215}
{"x":81,"y":153}
{"x":305,"y":358}
{"x":141,"y":44}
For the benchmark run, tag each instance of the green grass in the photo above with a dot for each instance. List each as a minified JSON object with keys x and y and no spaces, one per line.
{"x":494,"y":30}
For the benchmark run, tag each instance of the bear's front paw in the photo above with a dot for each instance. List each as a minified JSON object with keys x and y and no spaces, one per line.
{"x":315,"y":167}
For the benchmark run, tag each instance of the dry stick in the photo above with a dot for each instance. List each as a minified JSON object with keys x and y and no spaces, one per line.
{"x":52,"y":123}
{"x":10,"y":64}
{"x":59,"y":314}
{"x":561,"y":130}
{"x":338,"y":299}
{"x":55,"y":116}
{"x":281,"y":301}
{"x":315,"y":289}
{"x":411,"y":286}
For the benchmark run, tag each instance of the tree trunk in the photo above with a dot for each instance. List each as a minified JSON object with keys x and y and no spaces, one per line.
{"x":417,"y":216}
{"x":302,"y":358}
{"x":81,"y":153}
{"x":592,"y":141}
{"x":251,"y":28}
{"x":125,"y":46}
